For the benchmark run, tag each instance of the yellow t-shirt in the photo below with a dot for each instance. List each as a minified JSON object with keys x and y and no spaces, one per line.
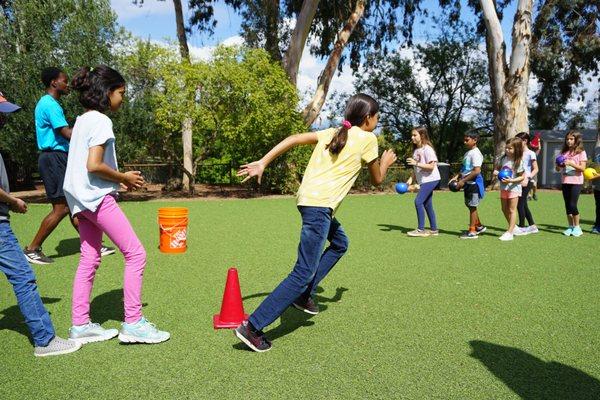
{"x":328,"y":178}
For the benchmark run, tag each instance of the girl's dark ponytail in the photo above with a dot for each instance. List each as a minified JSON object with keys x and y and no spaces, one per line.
{"x":80,"y":80}
{"x":359,"y":107}
{"x":339,"y":139}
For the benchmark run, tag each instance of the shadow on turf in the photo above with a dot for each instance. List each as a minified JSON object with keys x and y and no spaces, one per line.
{"x":532,"y":378}
{"x":108,"y":307}
{"x":403,"y":229}
{"x":67,"y":247}
{"x":12,"y":319}
{"x":292,"y":319}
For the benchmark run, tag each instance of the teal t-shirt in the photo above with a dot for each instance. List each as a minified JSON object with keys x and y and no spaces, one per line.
{"x":49,"y":118}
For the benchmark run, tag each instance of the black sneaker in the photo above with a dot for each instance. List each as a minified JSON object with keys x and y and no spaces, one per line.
{"x":480,"y":229}
{"x":308,"y":306}
{"x":105,"y":250}
{"x":535,"y":197}
{"x":469,"y":235}
{"x":36,"y":256}
{"x":256,"y":340}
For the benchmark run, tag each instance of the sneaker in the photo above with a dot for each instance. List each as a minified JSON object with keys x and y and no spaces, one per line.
{"x":36,"y":256}
{"x":142,"y":331}
{"x":506,"y":236}
{"x":433,"y":232}
{"x":90,"y":333}
{"x":532,"y":229}
{"x":529,"y":198}
{"x":469,"y":235}
{"x":577,"y":231}
{"x":56,"y":347}
{"x":480,"y":229}
{"x":535,"y":197}
{"x":568,"y":231}
{"x":520,"y":231}
{"x":418,"y":233}
{"x":255,"y":340}
{"x":595,"y":230}
{"x":106,"y":251}
{"x":308,"y":306}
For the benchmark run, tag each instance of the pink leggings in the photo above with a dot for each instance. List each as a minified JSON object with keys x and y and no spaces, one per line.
{"x":108,"y":219}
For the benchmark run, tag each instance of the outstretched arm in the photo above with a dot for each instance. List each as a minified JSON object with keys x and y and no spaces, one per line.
{"x":256,"y":168}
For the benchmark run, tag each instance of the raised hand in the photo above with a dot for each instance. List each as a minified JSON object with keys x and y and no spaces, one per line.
{"x":255,"y":168}
{"x":133,"y":180}
{"x":388,"y":158}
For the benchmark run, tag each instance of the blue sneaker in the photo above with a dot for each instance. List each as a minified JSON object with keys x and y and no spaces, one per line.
{"x":568,"y":231}
{"x":142,"y":331}
{"x":596,"y":230}
{"x":90,"y":333}
{"x":577,"y":231}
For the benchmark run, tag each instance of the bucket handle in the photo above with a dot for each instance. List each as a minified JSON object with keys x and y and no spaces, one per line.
{"x":184,"y":221}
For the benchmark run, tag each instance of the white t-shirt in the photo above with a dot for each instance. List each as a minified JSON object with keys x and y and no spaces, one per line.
{"x":510,"y":164}
{"x":473,"y":158}
{"x":85,"y":190}
{"x":529,"y":157}
{"x":425,"y":155}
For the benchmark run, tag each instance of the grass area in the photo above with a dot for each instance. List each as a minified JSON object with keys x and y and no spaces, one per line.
{"x":414,"y":318}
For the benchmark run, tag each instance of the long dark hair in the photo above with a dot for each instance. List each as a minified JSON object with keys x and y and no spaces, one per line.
{"x":94,"y":86}
{"x":425,"y":140}
{"x":578,"y":142}
{"x":359,"y":107}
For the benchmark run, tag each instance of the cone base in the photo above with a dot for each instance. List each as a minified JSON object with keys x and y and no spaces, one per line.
{"x":218,"y":324}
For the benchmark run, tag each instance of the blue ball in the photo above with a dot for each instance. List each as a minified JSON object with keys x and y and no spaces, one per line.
{"x":560,"y":160}
{"x":401,"y":187}
{"x":504,"y":173}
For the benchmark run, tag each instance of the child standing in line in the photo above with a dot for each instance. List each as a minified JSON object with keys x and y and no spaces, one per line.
{"x":91,"y":182}
{"x":427,"y":175}
{"x":531,"y":169}
{"x":334,"y":165}
{"x":510,"y":188}
{"x":536,"y":146}
{"x":18,"y":271}
{"x":472,"y":181}
{"x":596,"y":186}
{"x":572,"y":179}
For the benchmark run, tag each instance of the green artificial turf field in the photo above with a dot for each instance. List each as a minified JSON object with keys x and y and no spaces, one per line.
{"x":414,"y":318}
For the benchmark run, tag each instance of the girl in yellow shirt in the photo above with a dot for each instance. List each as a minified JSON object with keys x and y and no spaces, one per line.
{"x":334,"y":165}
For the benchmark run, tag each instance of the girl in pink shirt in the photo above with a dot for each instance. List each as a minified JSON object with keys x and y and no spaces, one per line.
{"x":572,"y":179}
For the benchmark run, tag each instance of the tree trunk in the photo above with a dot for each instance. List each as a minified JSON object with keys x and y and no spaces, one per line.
{"x":188,"y":164}
{"x":313,"y":108}
{"x":181,"y":37}
{"x":298,"y":39}
{"x":187,"y":125}
{"x":508,"y":84}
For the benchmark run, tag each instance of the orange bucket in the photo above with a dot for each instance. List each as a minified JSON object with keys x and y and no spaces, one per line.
{"x":172,"y":223}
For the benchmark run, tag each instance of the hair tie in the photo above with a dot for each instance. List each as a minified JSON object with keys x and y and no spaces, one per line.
{"x":346,"y":124}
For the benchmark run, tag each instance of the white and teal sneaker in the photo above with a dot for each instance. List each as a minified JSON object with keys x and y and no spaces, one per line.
{"x":577,"y":231}
{"x":142,"y":331}
{"x":90,"y":333}
{"x":568,"y":231}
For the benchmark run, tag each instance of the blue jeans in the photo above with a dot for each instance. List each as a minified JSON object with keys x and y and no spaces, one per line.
{"x":312,"y":266}
{"x":16,"y":268}
{"x":424,"y":203}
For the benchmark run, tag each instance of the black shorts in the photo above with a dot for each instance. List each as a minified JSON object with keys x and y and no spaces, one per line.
{"x":52,"y":166}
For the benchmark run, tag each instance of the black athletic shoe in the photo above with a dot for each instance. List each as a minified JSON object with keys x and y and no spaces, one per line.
{"x":256,"y":340}
{"x":480,"y":229}
{"x":308,"y":306}
{"x":105,"y":250}
{"x":36,"y":256}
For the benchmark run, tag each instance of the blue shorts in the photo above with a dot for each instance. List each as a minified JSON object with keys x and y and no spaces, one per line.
{"x":52,"y":166}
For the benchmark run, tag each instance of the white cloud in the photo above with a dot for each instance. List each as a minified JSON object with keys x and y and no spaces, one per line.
{"x":204,"y":53}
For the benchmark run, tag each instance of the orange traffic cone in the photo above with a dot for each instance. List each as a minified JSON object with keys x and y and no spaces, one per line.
{"x":232,"y":308}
